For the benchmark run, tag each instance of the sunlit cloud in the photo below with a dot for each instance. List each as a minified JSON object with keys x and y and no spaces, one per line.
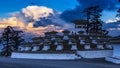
{"x":37,"y":12}
{"x":26,"y":18}
{"x":113,"y":20}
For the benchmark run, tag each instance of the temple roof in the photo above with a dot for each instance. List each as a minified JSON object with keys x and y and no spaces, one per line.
{"x":80,"y":22}
{"x":36,"y":38}
{"x":27,"y":44}
{"x":115,"y":40}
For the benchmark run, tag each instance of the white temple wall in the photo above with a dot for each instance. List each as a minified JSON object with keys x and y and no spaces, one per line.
{"x":44,"y":56}
{"x":115,"y":58}
{"x":1,"y":47}
{"x":95,"y":53}
{"x":100,"y":47}
{"x":109,"y":46}
{"x":87,"y":47}
{"x":35,"y":48}
{"x":116,"y":50}
{"x":59,"y":47}
{"x":74,"y":47}
{"x":28,"y":48}
{"x":45,"y":48}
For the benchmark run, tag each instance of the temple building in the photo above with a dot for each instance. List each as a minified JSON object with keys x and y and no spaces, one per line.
{"x":81,"y":43}
{"x":65,"y":41}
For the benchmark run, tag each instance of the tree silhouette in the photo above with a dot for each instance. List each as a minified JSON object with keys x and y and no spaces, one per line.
{"x":118,"y":13}
{"x":93,"y":15}
{"x":11,"y":40}
{"x":17,"y":39}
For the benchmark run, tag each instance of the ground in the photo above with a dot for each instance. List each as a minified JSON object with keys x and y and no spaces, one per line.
{"x":29,"y":63}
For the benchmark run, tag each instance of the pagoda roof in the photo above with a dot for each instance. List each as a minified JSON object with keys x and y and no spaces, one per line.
{"x":27,"y":44}
{"x":87,"y":41}
{"x":80,"y":22}
{"x":36,"y":42}
{"x":114,"y":40}
{"x":36,"y":38}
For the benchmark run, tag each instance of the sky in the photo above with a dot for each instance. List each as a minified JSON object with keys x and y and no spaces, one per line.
{"x":37,"y":16}
{"x":7,"y":6}
{"x":23,"y":14}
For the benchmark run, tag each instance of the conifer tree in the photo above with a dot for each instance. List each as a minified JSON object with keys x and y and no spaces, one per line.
{"x":10,"y":39}
{"x":93,"y":15}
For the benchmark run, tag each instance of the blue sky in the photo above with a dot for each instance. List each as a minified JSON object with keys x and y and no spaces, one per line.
{"x":8,"y":6}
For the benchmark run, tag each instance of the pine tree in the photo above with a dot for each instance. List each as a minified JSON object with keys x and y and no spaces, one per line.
{"x":11,"y":40}
{"x":118,"y":13}
{"x":93,"y":15}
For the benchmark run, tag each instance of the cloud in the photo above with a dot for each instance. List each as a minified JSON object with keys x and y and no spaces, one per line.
{"x":104,"y":4}
{"x":12,"y":21}
{"x":113,"y":20}
{"x":37,"y":12}
{"x":76,"y":13}
{"x":34,"y":20}
{"x":40,"y":16}
{"x":113,"y":26}
{"x":33,"y":13}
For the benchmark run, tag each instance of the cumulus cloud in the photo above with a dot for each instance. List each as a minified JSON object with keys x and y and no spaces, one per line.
{"x":12,"y":21}
{"x":39,"y":16}
{"x":33,"y":13}
{"x":34,"y":20}
{"x":37,"y":12}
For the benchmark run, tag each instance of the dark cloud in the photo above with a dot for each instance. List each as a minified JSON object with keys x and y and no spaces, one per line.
{"x":43,"y":22}
{"x":76,"y":13}
{"x":104,"y":4}
{"x":50,"y":20}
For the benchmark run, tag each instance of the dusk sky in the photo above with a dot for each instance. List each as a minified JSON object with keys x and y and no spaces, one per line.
{"x":9,"y":6}
{"x":39,"y":15}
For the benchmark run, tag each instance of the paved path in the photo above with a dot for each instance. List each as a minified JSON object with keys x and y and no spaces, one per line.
{"x":28,"y":63}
